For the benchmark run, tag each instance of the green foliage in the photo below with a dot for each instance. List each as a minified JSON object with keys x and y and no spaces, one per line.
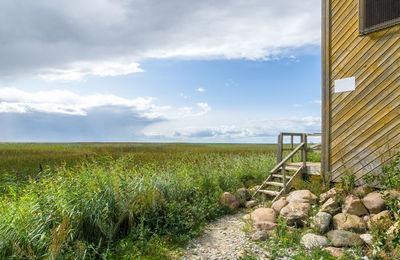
{"x":389,"y":183}
{"x":125,"y":207}
{"x":316,"y":254}
{"x":344,"y":187}
{"x":287,"y":237}
{"x":313,"y":183}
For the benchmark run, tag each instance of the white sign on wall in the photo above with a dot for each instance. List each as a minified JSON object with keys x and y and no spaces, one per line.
{"x":343,"y":85}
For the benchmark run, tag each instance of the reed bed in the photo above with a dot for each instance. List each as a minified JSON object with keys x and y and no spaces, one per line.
{"x":134,"y":204}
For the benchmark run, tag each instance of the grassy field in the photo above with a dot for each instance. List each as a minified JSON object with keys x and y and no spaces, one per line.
{"x":117,"y":200}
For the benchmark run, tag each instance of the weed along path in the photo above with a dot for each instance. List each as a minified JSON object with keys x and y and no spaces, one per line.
{"x":222,"y":239}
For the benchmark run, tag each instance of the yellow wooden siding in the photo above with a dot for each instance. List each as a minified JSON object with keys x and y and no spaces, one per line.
{"x":365,"y":123}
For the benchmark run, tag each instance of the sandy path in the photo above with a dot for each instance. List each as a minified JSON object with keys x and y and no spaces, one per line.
{"x":222,"y":239}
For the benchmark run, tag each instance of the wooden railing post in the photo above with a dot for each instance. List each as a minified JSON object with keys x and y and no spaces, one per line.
{"x":284,"y":178}
{"x":280,"y":147}
{"x":291,"y":145}
{"x":304,"y":150}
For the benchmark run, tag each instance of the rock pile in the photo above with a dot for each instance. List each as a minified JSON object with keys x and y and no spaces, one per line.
{"x":333,"y":227}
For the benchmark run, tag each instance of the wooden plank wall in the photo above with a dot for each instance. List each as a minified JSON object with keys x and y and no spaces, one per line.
{"x":364,"y":125}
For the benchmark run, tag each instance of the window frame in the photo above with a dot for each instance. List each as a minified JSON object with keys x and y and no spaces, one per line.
{"x":362,"y":21}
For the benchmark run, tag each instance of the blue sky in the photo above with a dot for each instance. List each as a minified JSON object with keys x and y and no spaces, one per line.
{"x":151,"y":71}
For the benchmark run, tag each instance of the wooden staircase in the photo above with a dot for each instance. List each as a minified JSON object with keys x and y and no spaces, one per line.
{"x":282,"y":175}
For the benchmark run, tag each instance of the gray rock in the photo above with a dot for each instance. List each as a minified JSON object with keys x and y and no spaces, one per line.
{"x":341,"y":238}
{"x":296,"y":213}
{"x":322,"y":221}
{"x":250,"y":204}
{"x":302,"y":196}
{"x":264,"y":226}
{"x":279,"y":204}
{"x":374,"y":202}
{"x":263,"y":214}
{"x":367,"y":238}
{"x":311,"y":241}
{"x":327,"y":195}
{"x":349,"y":222}
{"x":330,"y":206}
{"x":353,"y":205}
{"x":230,"y":201}
{"x":259,"y":236}
{"x":335,"y":251}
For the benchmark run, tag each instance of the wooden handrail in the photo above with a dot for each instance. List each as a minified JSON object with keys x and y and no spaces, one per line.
{"x":314,"y":145}
{"x":287,"y":158}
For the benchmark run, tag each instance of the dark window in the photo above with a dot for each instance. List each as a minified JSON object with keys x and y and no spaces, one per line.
{"x":378,"y":14}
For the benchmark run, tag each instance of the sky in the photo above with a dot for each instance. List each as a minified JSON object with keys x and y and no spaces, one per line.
{"x":233,"y":71}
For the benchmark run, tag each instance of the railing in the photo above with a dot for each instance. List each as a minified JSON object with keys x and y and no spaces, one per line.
{"x":301,"y":147}
{"x":282,"y":163}
{"x":304,"y":151}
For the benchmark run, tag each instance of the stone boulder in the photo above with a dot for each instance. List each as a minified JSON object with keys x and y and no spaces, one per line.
{"x":265,"y":226}
{"x":296,"y":213}
{"x":335,"y":251}
{"x":230,"y":201}
{"x":301,"y":196}
{"x":243,"y":195}
{"x":327,"y":195}
{"x":341,"y":238}
{"x":353,"y":205}
{"x":330,"y":206}
{"x":367,"y":238}
{"x":322,"y":221}
{"x":311,"y":241}
{"x":382,"y":217}
{"x":263,"y":214}
{"x":250,"y":204}
{"x":349,"y":222}
{"x":279,"y":204}
{"x":374,"y":202}
{"x":259,"y":236}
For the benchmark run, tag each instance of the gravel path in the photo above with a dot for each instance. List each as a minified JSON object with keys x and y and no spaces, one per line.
{"x":223,"y":239}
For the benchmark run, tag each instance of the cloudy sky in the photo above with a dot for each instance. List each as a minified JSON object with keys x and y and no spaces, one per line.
{"x":159,"y":71}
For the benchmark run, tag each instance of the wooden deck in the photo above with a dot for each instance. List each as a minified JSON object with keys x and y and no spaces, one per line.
{"x":313,"y":168}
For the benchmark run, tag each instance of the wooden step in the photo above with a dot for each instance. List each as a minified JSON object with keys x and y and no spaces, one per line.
{"x":272,"y":183}
{"x":281,"y":176}
{"x":269,"y":192}
{"x":292,"y":168}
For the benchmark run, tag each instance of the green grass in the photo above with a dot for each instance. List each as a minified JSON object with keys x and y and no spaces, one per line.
{"x":117,"y":200}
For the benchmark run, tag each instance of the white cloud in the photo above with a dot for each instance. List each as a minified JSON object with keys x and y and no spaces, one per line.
{"x":13,"y":100}
{"x":78,"y":70}
{"x":318,"y":101}
{"x":297,"y":105}
{"x":200,"y":110}
{"x":205,"y":108}
{"x":59,"y":41}
{"x":67,"y":102}
{"x":246,"y":131}
{"x":201,"y":90}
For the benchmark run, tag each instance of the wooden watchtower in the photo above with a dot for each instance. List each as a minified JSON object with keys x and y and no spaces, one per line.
{"x":360,"y":95}
{"x":360,"y":85}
